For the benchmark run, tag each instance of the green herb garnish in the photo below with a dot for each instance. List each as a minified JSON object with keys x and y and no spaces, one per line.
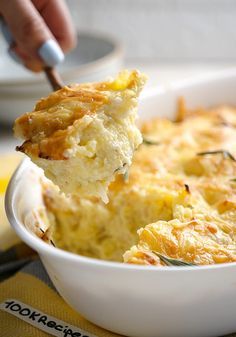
{"x":126,"y":176}
{"x":173,"y":262}
{"x":150,"y":142}
{"x":187,"y":188}
{"x":120,"y":167}
{"x":52,"y":243}
{"x":226,"y":154}
{"x":226,"y":123}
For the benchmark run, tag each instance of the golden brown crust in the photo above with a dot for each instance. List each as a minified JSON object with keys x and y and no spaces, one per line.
{"x":184,"y":201}
{"x":49,"y":121}
{"x":199,"y":153}
{"x":48,"y":128}
{"x":50,"y":148}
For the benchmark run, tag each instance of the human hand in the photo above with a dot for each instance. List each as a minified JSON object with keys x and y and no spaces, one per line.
{"x":32,"y":23}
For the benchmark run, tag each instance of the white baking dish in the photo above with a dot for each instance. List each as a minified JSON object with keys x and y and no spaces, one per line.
{"x":136,"y":300}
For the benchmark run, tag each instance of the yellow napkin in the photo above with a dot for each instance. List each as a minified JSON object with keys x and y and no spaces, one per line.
{"x":8,"y":163}
{"x":29,"y":304}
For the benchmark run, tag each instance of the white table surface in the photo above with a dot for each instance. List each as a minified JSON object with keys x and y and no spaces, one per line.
{"x":158,"y":74}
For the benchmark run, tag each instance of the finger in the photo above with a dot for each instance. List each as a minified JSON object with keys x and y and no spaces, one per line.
{"x":27,"y":27}
{"x":58,"y":19}
{"x":29,"y":62}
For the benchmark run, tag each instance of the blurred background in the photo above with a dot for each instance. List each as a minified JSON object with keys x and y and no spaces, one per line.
{"x":164,"y":30}
{"x":169,"y":39}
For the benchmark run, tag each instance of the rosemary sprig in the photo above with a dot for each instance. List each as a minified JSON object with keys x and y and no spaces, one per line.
{"x":149,"y":142}
{"x":126,"y":176}
{"x":226,"y":154}
{"x":173,"y":262}
{"x":187,"y":188}
{"x":224,"y":122}
{"x":52,"y":243}
{"x":120,"y":167}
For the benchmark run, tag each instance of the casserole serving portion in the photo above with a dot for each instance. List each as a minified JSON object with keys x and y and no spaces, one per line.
{"x":84,"y":134}
{"x":178,"y":200}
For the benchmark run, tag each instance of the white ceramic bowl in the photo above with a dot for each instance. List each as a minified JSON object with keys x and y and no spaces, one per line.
{"x":95,"y":57}
{"x":137,"y":300}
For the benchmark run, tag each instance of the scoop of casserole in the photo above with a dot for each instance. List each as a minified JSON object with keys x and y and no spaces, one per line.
{"x":179,"y":200}
{"x":84,"y":134}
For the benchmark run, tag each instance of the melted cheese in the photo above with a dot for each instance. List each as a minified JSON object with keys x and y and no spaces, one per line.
{"x":179,"y":199}
{"x":84,"y":134}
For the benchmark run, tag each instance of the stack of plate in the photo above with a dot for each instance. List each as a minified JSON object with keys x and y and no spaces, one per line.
{"x":94,"y":58}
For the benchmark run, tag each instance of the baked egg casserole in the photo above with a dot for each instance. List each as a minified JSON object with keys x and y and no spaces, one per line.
{"x":84,"y":134}
{"x":177,"y":204}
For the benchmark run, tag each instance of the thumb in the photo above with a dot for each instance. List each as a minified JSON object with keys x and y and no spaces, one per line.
{"x":28,"y":29}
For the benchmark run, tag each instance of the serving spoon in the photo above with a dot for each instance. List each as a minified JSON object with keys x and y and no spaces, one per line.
{"x":53,"y":78}
{"x":49,"y":52}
